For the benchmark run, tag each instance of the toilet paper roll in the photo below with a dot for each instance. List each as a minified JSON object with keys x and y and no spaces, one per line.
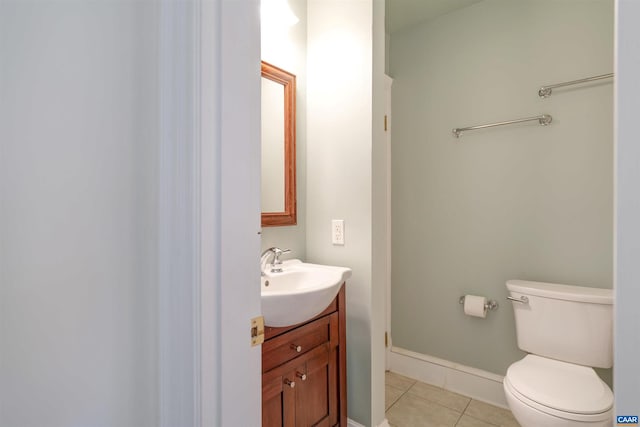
{"x":475,"y":306}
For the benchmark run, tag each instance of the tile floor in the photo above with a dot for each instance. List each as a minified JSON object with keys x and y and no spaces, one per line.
{"x":410,"y":403}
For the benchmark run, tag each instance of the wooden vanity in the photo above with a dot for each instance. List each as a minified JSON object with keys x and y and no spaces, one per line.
{"x":304,"y":381}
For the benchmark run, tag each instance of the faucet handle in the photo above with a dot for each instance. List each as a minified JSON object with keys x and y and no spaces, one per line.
{"x":276,"y":255}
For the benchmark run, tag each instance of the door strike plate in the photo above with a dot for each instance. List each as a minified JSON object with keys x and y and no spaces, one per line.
{"x":257,"y":331}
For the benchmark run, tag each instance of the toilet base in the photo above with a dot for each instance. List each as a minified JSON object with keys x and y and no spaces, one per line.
{"x":532,"y":417}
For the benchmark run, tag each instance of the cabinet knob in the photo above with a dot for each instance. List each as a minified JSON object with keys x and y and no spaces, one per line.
{"x":290,"y":383}
{"x":301,"y":375}
{"x":297,"y":348}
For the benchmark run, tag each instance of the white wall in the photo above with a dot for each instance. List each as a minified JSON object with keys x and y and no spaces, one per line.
{"x":78,"y":195}
{"x":627,"y":270}
{"x":523,"y":201}
{"x":339,"y":171}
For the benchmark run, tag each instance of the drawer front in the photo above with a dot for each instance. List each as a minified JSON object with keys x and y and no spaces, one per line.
{"x":299,"y":341}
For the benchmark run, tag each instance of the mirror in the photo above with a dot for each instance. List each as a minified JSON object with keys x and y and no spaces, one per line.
{"x":278,"y":146}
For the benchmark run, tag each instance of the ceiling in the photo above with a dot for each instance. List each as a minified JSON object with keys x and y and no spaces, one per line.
{"x":405,"y":13}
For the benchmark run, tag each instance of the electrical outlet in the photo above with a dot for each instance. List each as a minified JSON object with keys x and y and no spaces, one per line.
{"x":337,"y":231}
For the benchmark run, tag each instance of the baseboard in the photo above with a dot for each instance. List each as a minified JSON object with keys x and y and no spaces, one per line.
{"x":471,"y":382}
{"x":351,"y":423}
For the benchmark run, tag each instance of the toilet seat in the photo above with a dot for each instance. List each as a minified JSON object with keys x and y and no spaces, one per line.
{"x":558,"y":388}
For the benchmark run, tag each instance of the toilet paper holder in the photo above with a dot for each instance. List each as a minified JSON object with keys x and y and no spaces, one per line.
{"x":491,"y":305}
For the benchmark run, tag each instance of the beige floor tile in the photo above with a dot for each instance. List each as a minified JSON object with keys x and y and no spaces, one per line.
{"x":413,"y":411}
{"x":398,"y":381}
{"x":391,"y":394}
{"x":467,"y":421}
{"x":451,"y":400}
{"x":491,"y":414}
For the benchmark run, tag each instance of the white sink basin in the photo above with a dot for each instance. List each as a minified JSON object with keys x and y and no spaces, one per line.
{"x":300,"y":292}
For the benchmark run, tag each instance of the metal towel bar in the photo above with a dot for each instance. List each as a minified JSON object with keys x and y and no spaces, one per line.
{"x":543,"y":119}
{"x":545,"y":91}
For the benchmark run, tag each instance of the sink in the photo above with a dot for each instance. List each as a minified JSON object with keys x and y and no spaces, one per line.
{"x":301,"y":291}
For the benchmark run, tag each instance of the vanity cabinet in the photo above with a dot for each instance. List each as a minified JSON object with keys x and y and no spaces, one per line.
{"x":304,"y":379}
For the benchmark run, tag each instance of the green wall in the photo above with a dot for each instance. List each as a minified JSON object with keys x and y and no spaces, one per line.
{"x":518,"y":202}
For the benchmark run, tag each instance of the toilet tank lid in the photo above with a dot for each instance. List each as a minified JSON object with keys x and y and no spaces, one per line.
{"x":563,"y":292}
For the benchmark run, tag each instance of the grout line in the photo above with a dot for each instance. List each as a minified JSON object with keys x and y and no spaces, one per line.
{"x":484,"y":421}
{"x":413,"y":381}
{"x":462,"y":413}
{"x":458,"y":420}
{"x":468,"y":403}
{"x":396,"y":400}
{"x":397,"y":388}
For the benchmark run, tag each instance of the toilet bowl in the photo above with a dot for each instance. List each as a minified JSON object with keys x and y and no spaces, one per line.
{"x":567,"y":330}
{"x":550,"y":393}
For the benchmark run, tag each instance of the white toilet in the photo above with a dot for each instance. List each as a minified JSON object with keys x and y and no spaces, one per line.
{"x":567,"y":330}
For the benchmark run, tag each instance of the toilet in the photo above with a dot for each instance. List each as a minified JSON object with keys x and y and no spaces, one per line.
{"x":567,"y":331}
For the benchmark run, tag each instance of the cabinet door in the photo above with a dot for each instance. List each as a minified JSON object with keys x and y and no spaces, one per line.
{"x":278,"y":399}
{"x":317,"y":397}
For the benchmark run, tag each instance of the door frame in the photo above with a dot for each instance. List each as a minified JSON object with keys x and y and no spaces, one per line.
{"x":209,"y":212}
{"x":388,"y":83}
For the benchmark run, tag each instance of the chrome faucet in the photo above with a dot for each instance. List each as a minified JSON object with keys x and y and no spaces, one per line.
{"x":276,"y":262}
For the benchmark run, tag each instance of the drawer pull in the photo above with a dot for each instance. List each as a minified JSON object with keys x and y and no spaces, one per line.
{"x":297,"y":348}
{"x":301,"y":375}
{"x":290,"y":383}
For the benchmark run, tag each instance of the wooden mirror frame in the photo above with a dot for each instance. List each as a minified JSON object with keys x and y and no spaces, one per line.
{"x":288,"y":80}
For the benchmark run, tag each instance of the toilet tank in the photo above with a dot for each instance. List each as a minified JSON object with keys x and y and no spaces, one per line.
{"x":564,"y":322}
